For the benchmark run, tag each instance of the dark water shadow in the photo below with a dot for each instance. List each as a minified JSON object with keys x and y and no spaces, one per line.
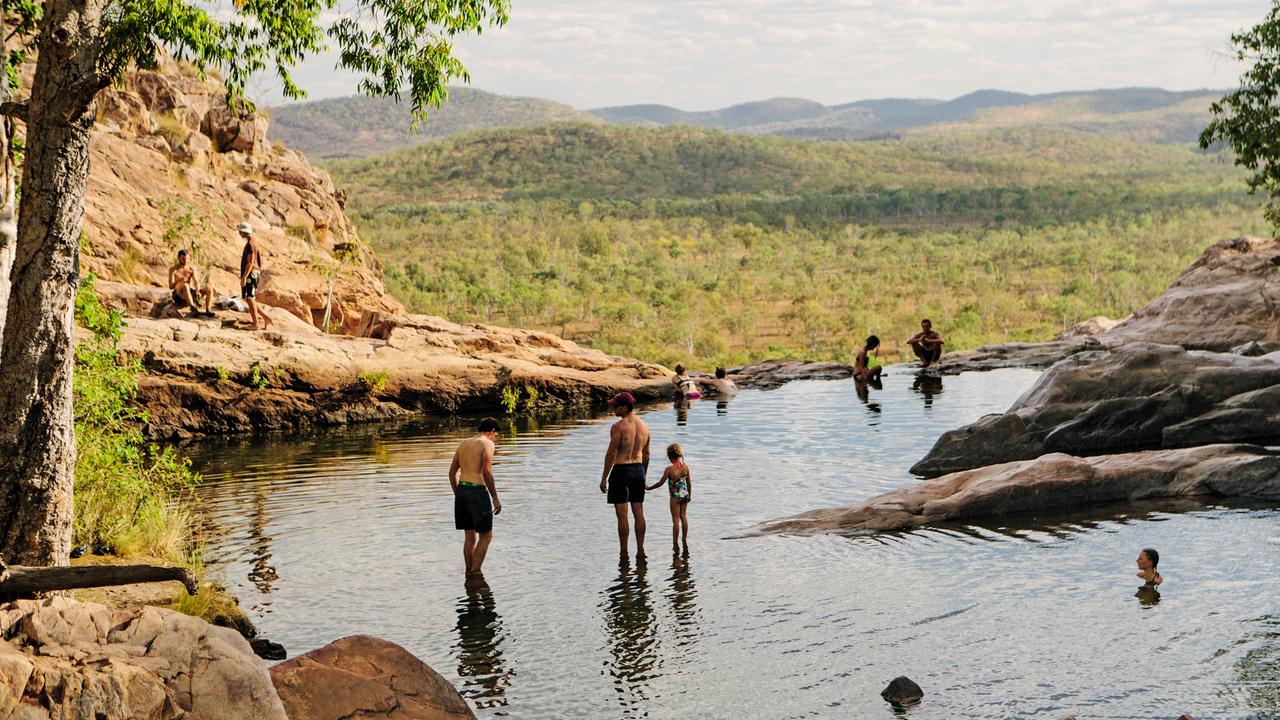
{"x":928,"y":384}
{"x":631,"y":634}
{"x":481,"y":662}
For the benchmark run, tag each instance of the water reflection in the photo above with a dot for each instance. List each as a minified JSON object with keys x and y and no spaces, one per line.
{"x":722,"y":407}
{"x":683,"y":598}
{"x":262,"y":574}
{"x":631,"y":634}
{"x":683,"y":405}
{"x":927,"y":384}
{"x":481,"y":665}
{"x":1148,"y":596}
{"x":862,"y":388}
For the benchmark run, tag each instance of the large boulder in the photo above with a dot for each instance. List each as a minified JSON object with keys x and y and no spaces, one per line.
{"x":1054,"y":483}
{"x":1229,"y":296}
{"x":362,"y":677}
{"x":81,"y":661}
{"x":1139,"y":396}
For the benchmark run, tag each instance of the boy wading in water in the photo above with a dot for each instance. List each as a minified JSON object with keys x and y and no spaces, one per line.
{"x":625,"y":464}
{"x":472,"y":510}
{"x":680,"y":484}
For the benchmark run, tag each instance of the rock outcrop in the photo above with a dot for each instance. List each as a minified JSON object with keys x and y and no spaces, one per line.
{"x":63,"y":659}
{"x":173,"y":165}
{"x":207,"y":376}
{"x":771,"y":374}
{"x":1055,"y":482}
{"x":1139,"y":396}
{"x":364,"y":677}
{"x":1228,"y":297}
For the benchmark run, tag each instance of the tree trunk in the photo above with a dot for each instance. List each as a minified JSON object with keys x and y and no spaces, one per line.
{"x":8,"y":219}
{"x":37,"y":441}
{"x":25,"y":581}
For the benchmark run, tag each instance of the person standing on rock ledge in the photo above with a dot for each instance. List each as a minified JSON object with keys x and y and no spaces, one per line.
{"x":625,"y":464}
{"x":472,"y":509}
{"x":250,"y":273}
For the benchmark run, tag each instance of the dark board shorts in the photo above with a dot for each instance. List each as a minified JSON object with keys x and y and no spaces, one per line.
{"x":626,"y":484}
{"x":250,"y":289}
{"x":472,"y":509}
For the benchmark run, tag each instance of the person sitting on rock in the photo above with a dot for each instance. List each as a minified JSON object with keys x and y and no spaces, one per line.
{"x":865,"y":366}
{"x":685,"y":385}
{"x":1148,"y":559}
{"x":185,"y":288}
{"x":927,"y":344}
{"x":725,"y":387}
{"x":250,"y":274}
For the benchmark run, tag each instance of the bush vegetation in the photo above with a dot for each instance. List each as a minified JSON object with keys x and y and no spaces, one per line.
{"x":679,"y":243}
{"x":128,"y":493}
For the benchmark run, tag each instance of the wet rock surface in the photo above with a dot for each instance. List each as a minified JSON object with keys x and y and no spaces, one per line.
{"x":1139,"y":396}
{"x":364,"y":677}
{"x":64,"y":659}
{"x":772,"y":374}
{"x":1054,"y":483}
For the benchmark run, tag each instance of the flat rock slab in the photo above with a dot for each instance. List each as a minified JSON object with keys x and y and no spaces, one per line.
{"x":361,"y":678}
{"x":1054,"y":483}
{"x":770,"y":374}
{"x":1139,"y":396}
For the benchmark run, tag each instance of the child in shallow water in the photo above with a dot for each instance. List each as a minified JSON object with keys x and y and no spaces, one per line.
{"x":680,"y":484}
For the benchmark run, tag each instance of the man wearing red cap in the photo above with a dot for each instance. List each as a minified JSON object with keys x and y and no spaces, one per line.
{"x":625,"y":465}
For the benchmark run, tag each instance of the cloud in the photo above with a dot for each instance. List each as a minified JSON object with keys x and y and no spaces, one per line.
{"x":700,"y":54}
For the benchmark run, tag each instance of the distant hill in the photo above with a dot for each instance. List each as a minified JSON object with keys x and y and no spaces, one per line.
{"x":359,"y":126}
{"x":1148,"y":114}
{"x":362,"y":127}
{"x":574,"y":161}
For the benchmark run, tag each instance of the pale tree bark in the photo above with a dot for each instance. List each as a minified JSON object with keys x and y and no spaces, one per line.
{"x":8,"y":216}
{"x":37,"y":442}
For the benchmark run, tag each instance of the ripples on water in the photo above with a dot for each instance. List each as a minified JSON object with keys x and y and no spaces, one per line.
{"x":330,"y":533}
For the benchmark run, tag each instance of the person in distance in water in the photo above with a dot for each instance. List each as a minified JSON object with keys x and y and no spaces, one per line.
{"x":927,"y":344}
{"x":1148,"y":559}
{"x":866,"y":367}
{"x":475,"y":495}
{"x":725,"y":388}
{"x":625,"y":464}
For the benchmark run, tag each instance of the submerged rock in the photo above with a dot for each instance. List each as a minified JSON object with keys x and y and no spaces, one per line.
{"x":902,"y":690}
{"x":65,"y":659}
{"x":1054,"y":482}
{"x":364,"y":677}
{"x":1139,"y":396}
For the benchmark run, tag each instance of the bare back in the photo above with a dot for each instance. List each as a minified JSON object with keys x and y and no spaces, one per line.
{"x":631,"y":440}
{"x":474,"y":455}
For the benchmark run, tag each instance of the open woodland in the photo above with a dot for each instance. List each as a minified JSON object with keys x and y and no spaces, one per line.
{"x":682,"y":243}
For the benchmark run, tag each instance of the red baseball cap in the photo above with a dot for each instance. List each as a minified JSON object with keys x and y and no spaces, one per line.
{"x":623,"y":398}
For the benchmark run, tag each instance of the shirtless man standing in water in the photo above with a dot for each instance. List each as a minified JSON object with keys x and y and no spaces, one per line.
{"x":472,"y":510}
{"x":625,"y":465}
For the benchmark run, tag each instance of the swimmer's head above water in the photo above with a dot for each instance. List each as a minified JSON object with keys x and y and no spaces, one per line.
{"x":1148,"y":560}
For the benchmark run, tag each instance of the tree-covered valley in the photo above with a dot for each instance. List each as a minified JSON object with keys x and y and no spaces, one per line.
{"x":682,"y":243}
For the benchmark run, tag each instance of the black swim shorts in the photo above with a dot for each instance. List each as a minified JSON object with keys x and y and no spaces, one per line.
{"x":179,"y":300}
{"x":250,"y":289}
{"x":472,"y":509}
{"x":626,"y":484}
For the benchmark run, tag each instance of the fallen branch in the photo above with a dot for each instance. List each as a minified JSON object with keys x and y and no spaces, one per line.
{"x":18,"y":580}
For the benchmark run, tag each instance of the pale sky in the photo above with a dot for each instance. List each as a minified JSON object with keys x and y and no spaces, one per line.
{"x":705,"y":54}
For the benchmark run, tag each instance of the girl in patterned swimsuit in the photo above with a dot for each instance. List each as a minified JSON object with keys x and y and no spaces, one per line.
{"x":680,"y":484}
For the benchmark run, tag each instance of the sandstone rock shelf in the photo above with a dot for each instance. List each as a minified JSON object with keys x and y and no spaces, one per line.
{"x":1054,"y":483}
{"x":211,"y":376}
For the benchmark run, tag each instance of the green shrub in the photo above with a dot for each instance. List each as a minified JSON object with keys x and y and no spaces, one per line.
{"x":259,"y":379}
{"x":510,"y":399}
{"x":374,"y":381}
{"x":128,"y":493}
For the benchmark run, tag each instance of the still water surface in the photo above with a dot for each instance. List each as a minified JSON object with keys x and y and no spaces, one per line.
{"x":327,"y":534}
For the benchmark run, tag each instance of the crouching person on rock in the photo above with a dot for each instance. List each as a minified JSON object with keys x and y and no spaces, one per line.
{"x":471,"y":475}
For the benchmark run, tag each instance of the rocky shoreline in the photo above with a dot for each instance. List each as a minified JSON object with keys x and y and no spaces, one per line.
{"x":1176,"y":401}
